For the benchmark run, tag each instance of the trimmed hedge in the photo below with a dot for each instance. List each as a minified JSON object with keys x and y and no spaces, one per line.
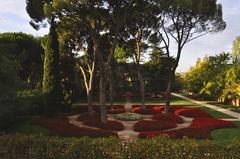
{"x":192,"y":133}
{"x":39,"y":147}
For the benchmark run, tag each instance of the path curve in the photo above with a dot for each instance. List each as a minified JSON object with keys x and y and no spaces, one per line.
{"x":225,"y":111}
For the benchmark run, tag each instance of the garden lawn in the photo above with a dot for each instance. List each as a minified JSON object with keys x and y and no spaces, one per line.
{"x":24,"y":126}
{"x":226,"y":135}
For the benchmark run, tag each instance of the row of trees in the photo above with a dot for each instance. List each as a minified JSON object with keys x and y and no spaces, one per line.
{"x":103,"y":26}
{"x":218,"y":75}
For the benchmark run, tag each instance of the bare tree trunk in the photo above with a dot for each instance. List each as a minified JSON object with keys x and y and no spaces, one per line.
{"x":90,"y":106}
{"x":103,"y":108}
{"x":171,"y":75}
{"x":168,"y":95}
{"x":142,"y":87}
{"x":110,"y":87}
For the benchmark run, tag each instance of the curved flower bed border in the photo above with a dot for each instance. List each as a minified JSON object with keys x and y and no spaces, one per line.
{"x":168,"y":117}
{"x":151,"y":125}
{"x":61,"y":127}
{"x":193,"y":113}
{"x":110,"y":125}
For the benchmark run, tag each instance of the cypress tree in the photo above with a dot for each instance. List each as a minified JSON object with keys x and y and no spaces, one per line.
{"x":51,"y":78}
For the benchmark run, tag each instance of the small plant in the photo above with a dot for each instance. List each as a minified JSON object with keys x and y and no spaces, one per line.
{"x":128,"y":116}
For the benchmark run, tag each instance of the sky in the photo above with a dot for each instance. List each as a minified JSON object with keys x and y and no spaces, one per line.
{"x":14,"y":18}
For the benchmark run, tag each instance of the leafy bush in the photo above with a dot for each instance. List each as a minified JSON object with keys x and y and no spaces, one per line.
{"x":128,"y":116}
{"x":150,"y":125}
{"x":39,"y":147}
{"x":168,"y":117}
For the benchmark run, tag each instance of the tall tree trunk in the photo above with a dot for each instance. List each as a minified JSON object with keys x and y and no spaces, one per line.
{"x":111,"y":87}
{"x":168,"y":95}
{"x":142,"y":87}
{"x":90,"y":106}
{"x":171,"y":75}
{"x":102,"y":87}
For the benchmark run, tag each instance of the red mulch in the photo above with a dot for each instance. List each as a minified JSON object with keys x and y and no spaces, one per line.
{"x":149,"y":125}
{"x":211,"y":124}
{"x":59,"y":126}
{"x":193,"y":113}
{"x":168,"y":117}
{"x":192,"y":133}
{"x":110,"y":125}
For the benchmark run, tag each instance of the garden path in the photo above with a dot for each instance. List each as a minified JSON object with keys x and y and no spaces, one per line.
{"x":225,"y":111}
{"x":128,"y":133}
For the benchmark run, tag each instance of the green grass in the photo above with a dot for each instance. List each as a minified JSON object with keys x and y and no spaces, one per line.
{"x":226,"y":135}
{"x":217,"y":114}
{"x":25,"y":127}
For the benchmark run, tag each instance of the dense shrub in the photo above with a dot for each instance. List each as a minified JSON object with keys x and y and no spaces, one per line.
{"x":211,"y":123}
{"x":193,"y":113}
{"x":59,"y":126}
{"x":110,"y":125}
{"x":40,"y":147}
{"x":168,"y":117}
{"x":151,"y":125}
{"x":152,"y":134}
{"x":128,"y":116}
{"x":192,"y":133}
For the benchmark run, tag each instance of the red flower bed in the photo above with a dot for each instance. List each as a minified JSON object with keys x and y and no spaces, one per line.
{"x":193,"y":113}
{"x":192,"y":133}
{"x":110,"y":125}
{"x":150,"y":125}
{"x":158,"y":107}
{"x":148,"y":111}
{"x":211,"y":123}
{"x":61,"y":127}
{"x":168,"y":117}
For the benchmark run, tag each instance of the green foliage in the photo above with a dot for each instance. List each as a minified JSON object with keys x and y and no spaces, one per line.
{"x":209,"y":76}
{"x":25,"y":53}
{"x":51,"y":79}
{"x":36,"y":147}
{"x":128,"y":116}
{"x":7,"y":76}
